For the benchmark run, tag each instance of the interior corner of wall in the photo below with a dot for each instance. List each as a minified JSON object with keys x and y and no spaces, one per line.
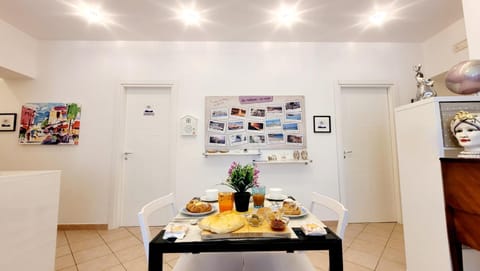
{"x":7,"y":74}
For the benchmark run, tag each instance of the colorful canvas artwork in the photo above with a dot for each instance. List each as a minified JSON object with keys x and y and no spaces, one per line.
{"x":50,"y":123}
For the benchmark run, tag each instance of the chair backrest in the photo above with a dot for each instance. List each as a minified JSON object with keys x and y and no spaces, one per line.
{"x":335,"y":206}
{"x":148,"y":210}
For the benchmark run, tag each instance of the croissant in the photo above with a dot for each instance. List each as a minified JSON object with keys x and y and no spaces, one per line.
{"x":196,"y":206}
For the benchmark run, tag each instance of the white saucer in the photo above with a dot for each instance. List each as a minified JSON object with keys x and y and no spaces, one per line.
{"x":204,"y":198}
{"x":280,"y":198}
{"x":303,"y":213}
{"x":186,"y":212}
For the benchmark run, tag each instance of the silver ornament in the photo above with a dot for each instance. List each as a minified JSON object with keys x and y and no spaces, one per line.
{"x":464,"y":78}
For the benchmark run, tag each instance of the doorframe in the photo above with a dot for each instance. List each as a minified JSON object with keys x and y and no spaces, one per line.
{"x":118,"y":163}
{"x":392,"y":96}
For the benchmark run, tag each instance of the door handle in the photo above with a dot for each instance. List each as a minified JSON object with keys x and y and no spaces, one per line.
{"x":126,"y":154}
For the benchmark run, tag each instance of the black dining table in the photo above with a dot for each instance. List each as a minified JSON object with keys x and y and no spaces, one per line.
{"x":331,"y":242}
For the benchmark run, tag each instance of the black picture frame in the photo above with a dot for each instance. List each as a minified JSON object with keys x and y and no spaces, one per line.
{"x":8,"y":122}
{"x":322,"y":124}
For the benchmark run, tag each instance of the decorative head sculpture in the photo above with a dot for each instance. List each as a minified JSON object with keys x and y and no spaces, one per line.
{"x":465,"y":127}
{"x":464,"y":78}
{"x":424,"y":86}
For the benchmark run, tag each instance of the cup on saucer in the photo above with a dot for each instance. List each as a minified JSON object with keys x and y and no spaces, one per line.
{"x":211,"y":194}
{"x":275,"y":193}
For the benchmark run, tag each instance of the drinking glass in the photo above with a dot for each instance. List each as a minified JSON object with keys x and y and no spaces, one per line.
{"x":258,"y":193}
{"x":225,"y":201}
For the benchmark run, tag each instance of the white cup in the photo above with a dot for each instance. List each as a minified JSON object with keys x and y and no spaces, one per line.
{"x":211,"y":194}
{"x":275,"y":193}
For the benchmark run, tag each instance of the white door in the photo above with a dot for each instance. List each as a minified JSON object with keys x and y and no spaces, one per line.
{"x":368,"y":161}
{"x":147,"y":150}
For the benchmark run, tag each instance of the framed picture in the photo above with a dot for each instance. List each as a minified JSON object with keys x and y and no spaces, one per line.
{"x":321,"y":124}
{"x":8,"y":122}
{"x":51,"y":123}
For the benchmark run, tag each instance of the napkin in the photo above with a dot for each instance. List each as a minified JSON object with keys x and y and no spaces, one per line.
{"x":175,"y":230}
{"x":312,"y":229}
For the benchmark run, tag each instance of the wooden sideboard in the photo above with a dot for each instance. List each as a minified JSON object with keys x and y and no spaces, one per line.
{"x":461,"y":187}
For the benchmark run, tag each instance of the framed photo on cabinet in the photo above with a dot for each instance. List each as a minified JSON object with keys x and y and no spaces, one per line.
{"x":321,"y":124}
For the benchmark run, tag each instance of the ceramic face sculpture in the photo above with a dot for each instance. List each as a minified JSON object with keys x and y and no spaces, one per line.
{"x":466,"y":128}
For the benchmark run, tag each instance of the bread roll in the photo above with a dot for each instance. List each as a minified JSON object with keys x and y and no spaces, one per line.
{"x":224,"y":222}
{"x":197,"y":206}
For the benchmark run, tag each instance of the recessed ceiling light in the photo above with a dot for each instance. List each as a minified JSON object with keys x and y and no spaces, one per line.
{"x":190,"y":16}
{"x":287,"y":15}
{"x":378,"y":18}
{"x":93,"y":14}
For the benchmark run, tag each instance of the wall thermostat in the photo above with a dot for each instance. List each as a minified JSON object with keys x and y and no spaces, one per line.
{"x":188,"y":125}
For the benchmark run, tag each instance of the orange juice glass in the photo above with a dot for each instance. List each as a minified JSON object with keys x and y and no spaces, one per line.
{"x":258,"y":196}
{"x":225,"y":201}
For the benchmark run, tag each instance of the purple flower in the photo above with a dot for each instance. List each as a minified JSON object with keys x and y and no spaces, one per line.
{"x":232,"y":167}
{"x":241,"y":178}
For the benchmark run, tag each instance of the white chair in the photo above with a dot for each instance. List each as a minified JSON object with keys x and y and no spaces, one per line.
{"x":186,"y":262}
{"x":149,"y":209}
{"x":335,"y":206}
{"x":276,"y":261}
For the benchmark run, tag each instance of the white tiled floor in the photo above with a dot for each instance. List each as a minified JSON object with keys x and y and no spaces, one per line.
{"x":367,"y":247}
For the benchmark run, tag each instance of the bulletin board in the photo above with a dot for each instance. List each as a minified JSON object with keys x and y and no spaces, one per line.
{"x":254,"y":122}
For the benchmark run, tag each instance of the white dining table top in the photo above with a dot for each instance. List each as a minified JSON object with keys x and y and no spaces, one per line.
{"x":194,"y":232}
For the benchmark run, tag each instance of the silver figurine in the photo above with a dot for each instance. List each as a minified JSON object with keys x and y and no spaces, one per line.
{"x":424,"y":86}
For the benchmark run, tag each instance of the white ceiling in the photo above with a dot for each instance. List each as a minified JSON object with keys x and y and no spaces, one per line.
{"x":234,"y":20}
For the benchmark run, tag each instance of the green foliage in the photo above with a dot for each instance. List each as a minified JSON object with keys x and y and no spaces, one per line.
{"x":241,"y":178}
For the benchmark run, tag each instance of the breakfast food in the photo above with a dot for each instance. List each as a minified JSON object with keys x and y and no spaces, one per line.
{"x":264,"y":212}
{"x":313,"y":229}
{"x":269,"y":214}
{"x":290,"y":207}
{"x":224,"y":222}
{"x":255,"y":220}
{"x":278,"y":224}
{"x":197,"y":206}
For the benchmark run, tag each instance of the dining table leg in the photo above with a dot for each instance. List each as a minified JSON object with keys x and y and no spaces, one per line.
{"x":155,"y":263}
{"x":335,"y":255}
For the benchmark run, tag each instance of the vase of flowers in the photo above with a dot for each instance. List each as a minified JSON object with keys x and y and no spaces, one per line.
{"x":241,"y":178}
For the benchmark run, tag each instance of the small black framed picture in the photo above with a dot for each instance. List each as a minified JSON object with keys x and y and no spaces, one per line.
{"x":321,"y":124}
{"x":8,"y":122}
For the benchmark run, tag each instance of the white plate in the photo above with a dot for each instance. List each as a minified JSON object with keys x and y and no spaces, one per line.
{"x":204,"y":198}
{"x":303,"y":212}
{"x":281,"y":198}
{"x":186,"y":212}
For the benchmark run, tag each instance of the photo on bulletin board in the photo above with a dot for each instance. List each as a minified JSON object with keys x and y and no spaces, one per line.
{"x":321,"y":124}
{"x":254,"y":122}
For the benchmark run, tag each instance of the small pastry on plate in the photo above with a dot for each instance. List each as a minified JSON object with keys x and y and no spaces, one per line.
{"x":197,"y":206}
{"x":290,"y":207}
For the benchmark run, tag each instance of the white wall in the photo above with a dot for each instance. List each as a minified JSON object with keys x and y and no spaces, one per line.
{"x":471,"y":8}
{"x":90,"y":73}
{"x":18,"y":53}
{"x":438,"y":50}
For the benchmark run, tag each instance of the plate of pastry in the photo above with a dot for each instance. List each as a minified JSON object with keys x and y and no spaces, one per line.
{"x":303,"y":212}
{"x":292,"y":209}
{"x":196,"y":207}
{"x":186,"y":212}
